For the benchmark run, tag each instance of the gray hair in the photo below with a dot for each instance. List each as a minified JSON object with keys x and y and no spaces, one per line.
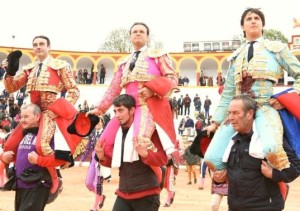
{"x":35,"y":108}
{"x":249,"y":103}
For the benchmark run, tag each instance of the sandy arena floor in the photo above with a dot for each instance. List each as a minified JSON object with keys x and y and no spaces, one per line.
{"x":76,"y":197}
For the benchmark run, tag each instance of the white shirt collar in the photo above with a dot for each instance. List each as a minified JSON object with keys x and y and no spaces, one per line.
{"x":258,"y":40}
{"x":45,"y":60}
{"x":141,"y":49}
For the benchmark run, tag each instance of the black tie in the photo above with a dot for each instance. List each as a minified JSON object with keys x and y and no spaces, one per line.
{"x":134,"y":58}
{"x":39,"y":70}
{"x":250,"y":50}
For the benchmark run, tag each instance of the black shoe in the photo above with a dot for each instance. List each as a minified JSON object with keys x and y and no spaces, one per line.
{"x":53,"y":196}
{"x":195,"y":181}
{"x":166,"y":205}
{"x":172,"y":199}
{"x":189,"y":183}
{"x":107,"y":178}
{"x":102,"y":203}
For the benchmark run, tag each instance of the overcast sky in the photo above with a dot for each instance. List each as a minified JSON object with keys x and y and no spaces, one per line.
{"x":83,"y":25}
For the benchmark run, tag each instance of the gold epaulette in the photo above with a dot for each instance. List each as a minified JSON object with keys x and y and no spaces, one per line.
{"x":274,"y":46}
{"x":57,"y":64}
{"x":154,"y":53}
{"x":29,"y":66}
{"x":235,"y":53}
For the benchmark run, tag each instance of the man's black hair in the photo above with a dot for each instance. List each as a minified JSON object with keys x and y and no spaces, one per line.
{"x":124,"y":100}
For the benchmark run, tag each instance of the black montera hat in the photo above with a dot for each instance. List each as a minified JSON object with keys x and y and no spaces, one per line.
{"x":13,"y":60}
{"x":83,"y":125}
{"x":201,"y":143}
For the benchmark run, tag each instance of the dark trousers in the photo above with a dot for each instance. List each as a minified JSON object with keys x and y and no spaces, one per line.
{"x":186,"y":110}
{"x":148,"y":203}
{"x":31,"y":199}
{"x":206,"y":112}
{"x":180,"y":110}
{"x":102,"y":79}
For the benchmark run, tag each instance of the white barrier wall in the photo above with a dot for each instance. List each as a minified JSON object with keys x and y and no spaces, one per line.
{"x":93,"y":94}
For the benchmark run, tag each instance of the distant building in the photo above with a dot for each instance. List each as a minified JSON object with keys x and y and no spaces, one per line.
{"x":209,"y":46}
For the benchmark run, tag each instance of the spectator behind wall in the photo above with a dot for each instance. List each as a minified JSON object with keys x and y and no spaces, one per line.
{"x":185,"y":81}
{"x":180,"y":82}
{"x":102,"y":74}
{"x":210,"y":81}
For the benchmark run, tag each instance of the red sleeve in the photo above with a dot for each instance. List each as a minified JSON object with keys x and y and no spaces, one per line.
{"x":49,"y":161}
{"x":158,"y":158}
{"x":162,"y":86}
{"x":106,"y":162}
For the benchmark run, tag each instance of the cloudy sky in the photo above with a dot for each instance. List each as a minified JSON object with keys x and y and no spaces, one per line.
{"x":79,"y":25}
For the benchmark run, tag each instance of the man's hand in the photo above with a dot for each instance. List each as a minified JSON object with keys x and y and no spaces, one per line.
{"x":95,"y":111}
{"x":266,"y":169}
{"x":220,"y":176}
{"x":145,"y":93}
{"x":99,"y":149}
{"x":211,"y":128}
{"x":276,"y":104}
{"x":8,"y":156}
{"x":141,"y":148}
{"x":33,"y":157}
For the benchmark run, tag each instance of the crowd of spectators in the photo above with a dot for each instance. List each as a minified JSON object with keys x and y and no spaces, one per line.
{"x":10,"y":109}
{"x":85,"y":76}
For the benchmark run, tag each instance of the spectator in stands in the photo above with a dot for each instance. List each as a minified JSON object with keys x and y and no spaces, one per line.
{"x":86,"y":107}
{"x":3,"y":104}
{"x":207,"y":104}
{"x":90,"y":78}
{"x":3,"y":178}
{"x":197,"y":103}
{"x":187,"y":104}
{"x":180,"y":105}
{"x":13,"y":111}
{"x":20,"y":97}
{"x":85,"y":76}
{"x":210,"y":81}
{"x":2,"y":71}
{"x":181,"y":126}
{"x":2,"y":114}
{"x":174,"y":107}
{"x":6,"y":122}
{"x":5,"y":94}
{"x":202,"y":80}
{"x":80,"y":76}
{"x":11,"y":100}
